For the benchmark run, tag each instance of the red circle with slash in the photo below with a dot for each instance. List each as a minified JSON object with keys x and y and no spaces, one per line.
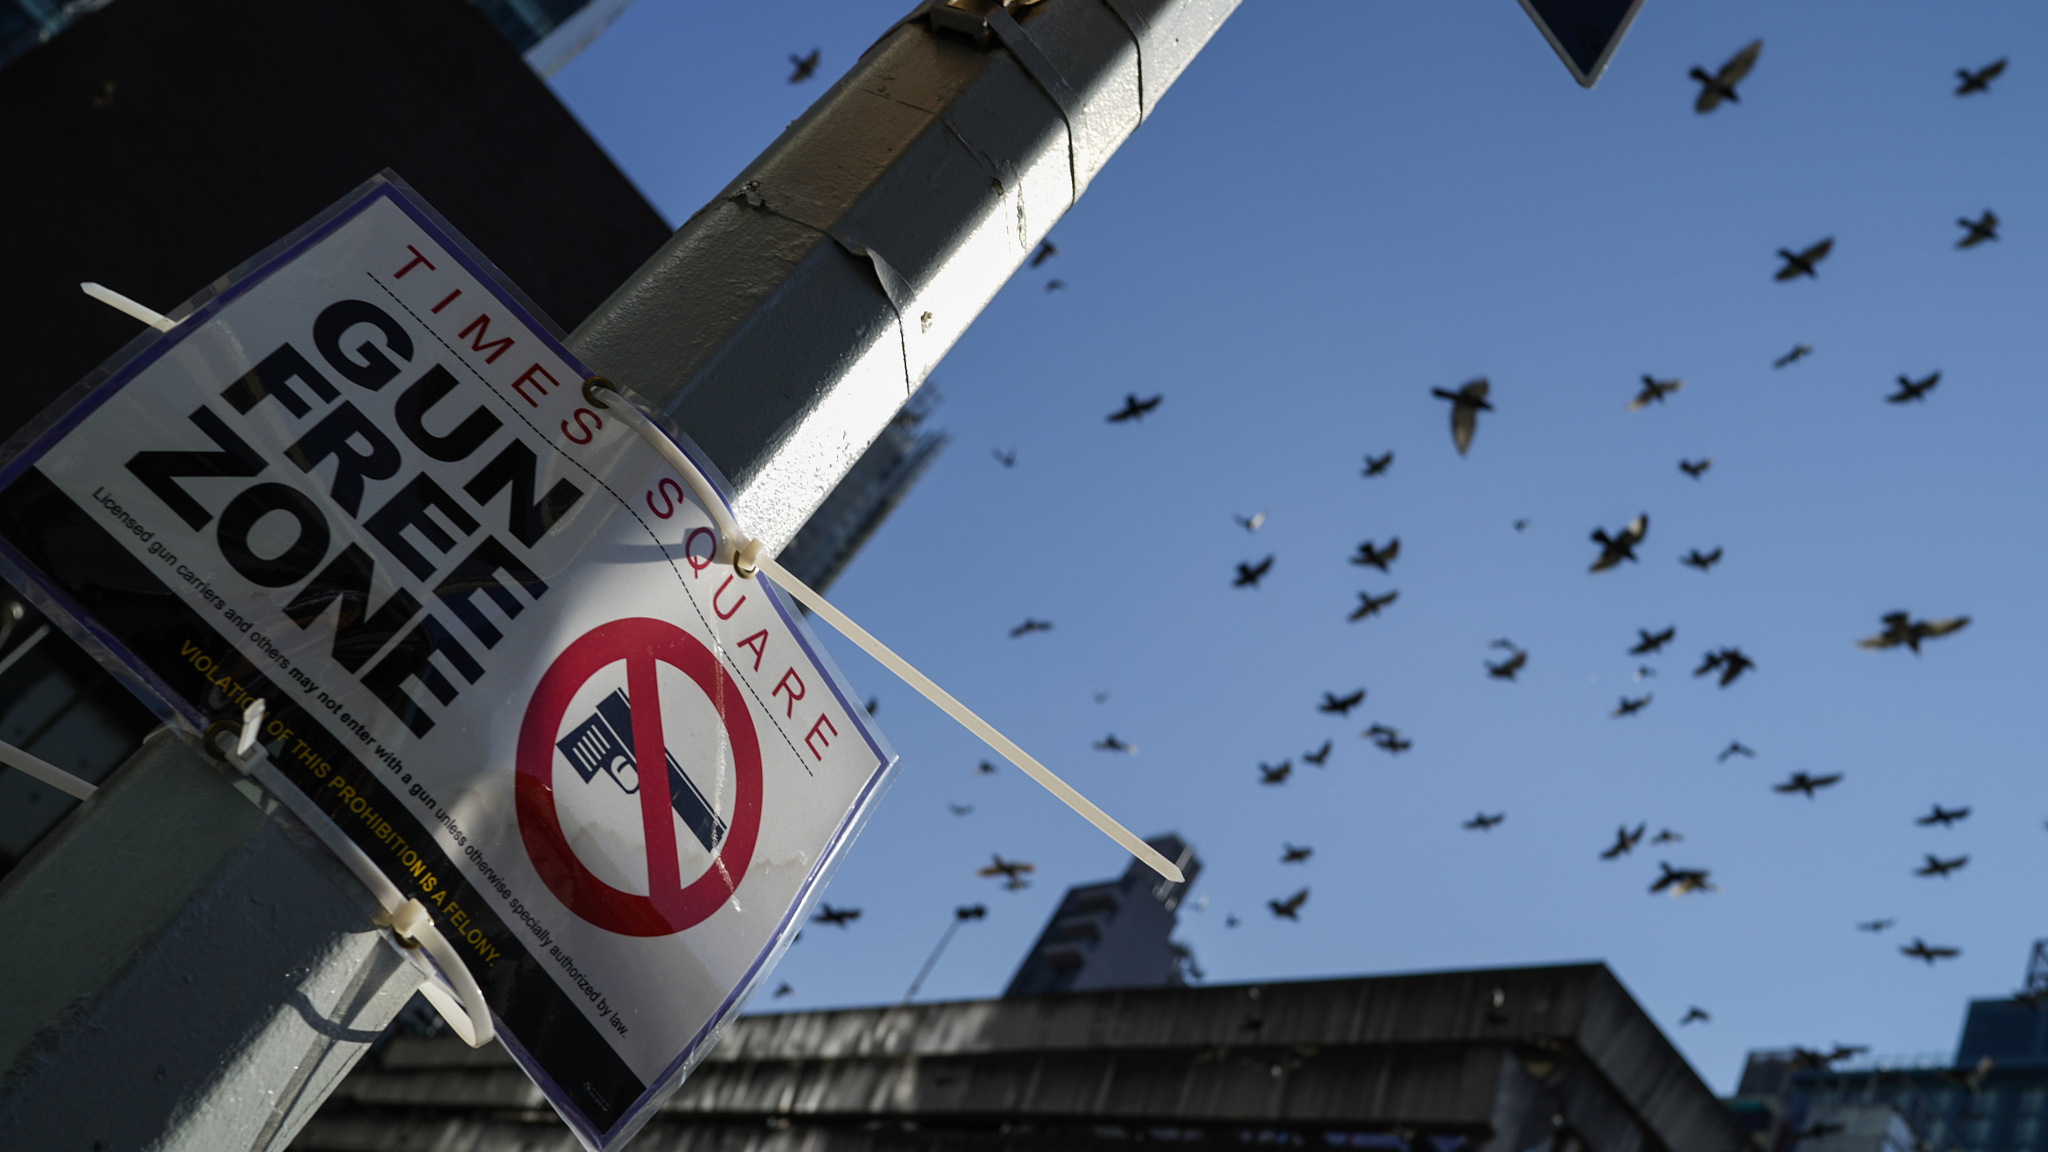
{"x":670,"y":905}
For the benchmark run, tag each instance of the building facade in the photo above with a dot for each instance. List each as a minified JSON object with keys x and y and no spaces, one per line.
{"x":1115,"y":934}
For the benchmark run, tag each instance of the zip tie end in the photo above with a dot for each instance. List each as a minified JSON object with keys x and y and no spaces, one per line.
{"x":120,"y":303}
{"x":746,"y":558}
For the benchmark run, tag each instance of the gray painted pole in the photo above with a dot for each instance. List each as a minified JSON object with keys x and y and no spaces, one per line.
{"x":185,"y":971}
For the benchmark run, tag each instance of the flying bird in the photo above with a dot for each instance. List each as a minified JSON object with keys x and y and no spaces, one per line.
{"x":1319,"y":755}
{"x":1110,"y":743}
{"x":1735,"y":748}
{"x":1801,"y":782}
{"x":1695,"y":1014}
{"x":1799,"y":352}
{"x":1372,"y":556}
{"x":874,"y":702}
{"x":1629,"y":707}
{"x":1249,"y":575}
{"x":1046,"y":251}
{"x":1230,"y":920}
{"x":1799,"y":264}
{"x":1103,"y":696}
{"x":984,"y":769}
{"x":1696,"y":468}
{"x":1388,"y":739}
{"x":1721,"y":85}
{"x":1620,"y":546}
{"x":1029,"y":626}
{"x":1980,"y":80}
{"x":1900,"y":628}
{"x":1921,"y":950}
{"x":1506,"y":669}
{"x":1370,"y":605}
{"x":1650,"y":644}
{"x":1252,"y":522}
{"x":1666,"y":836}
{"x":1731,"y":662}
{"x":1875,"y":925}
{"x":1643,"y":672}
{"x":1521,"y":524}
{"x":1910,"y":390}
{"x":1981,"y":229}
{"x":1680,"y":881}
{"x":1942,"y":816}
{"x":1291,"y":855}
{"x":1481,"y":822}
{"x":805,"y":66}
{"x":1134,"y":408}
{"x":1654,"y":391}
{"x":1341,"y":705}
{"x":1289,"y":908}
{"x":1936,"y":866}
{"x":784,"y":989}
{"x":1012,"y":871}
{"x":1625,"y":842}
{"x":1374,"y":465}
{"x":1275,"y":774}
{"x":960,"y":809}
{"x":840,"y":916}
{"x":1466,"y":404}
{"x":1006,"y":459}
{"x":1055,"y":286}
{"x":1704,"y":561}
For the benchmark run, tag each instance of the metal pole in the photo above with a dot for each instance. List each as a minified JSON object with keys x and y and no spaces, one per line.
{"x":186,"y":971}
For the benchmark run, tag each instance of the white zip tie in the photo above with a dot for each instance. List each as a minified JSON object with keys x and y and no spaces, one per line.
{"x":34,"y":638}
{"x":120,"y":303}
{"x":46,"y":772}
{"x":748,"y":555}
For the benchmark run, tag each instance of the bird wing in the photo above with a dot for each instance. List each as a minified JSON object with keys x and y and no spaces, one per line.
{"x":1818,"y":251}
{"x":1738,"y":65}
{"x":1710,"y":95}
{"x":1991,"y":71}
{"x":1638,"y":528}
{"x":1944,"y":627}
{"x":1824,"y":781}
{"x":1881,"y":640}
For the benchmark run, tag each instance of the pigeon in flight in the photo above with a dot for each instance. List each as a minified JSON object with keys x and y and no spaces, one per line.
{"x":1695,"y":1015}
{"x":1006,"y":459}
{"x":967,"y":912}
{"x":1982,"y":229}
{"x":1374,"y":465}
{"x":1012,"y":872}
{"x":1875,"y":925}
{"x":1252,"y":522}
{"x":1799,"y":264}
{"x":1643,"y":672}
{"x":1506,"y":669}
{"x":874,"y":702}
{"x":960,"y":809}
{"x":1249,"y":575}
{"x":1481,"y":822}
{"x":1110,"y":743}
{"x":840,"y":916}
{"x":1921,"y":950}
{"x":1730,"y":661}
{"x":1696,"y":468}
{"x":1230,"y":920}
{"x":1134,"y":408}
{"x":1620,"y":546}
{"x":1521,"y":524}
{"x":1801,"y":782}
{"x":984,"y":769}
{"x":1666,"y":836}
{"x":1289,"y":908}
{"x":1370,"y":605}
{"x":1704,"y":561}
{"x":1275,"y":774}
{"x":1029,"y":626}
{"x":1651,"y":644}
{"x":1055,"y":286}
{"x":1319,"y":755}
{"x":1103,"y":696}
{"x":1046,"y":251}
{"x":1946,"y":817}
{"x":1980,"y":80}
{"x":1799,"y":352}
{"x":1372,"y":556}
{"x":1629,"y":707}
{"x":1901,"y":628}
{"x":784,"y":989}
{"x":1654,"y":391}
{"x":1914,"y":389}
{"x":1735,"y":748}
{"x":1387,"y":739}
{"x":1466,"y":404}
{"x":1681,"y":881}
{"x":1291,"y":855}
{"x":1936,"y":866}
{"x":805,"y":66}
{"x":1341,"y":705}
{"x":1625,"y":841}
{"x":1721,"y":85}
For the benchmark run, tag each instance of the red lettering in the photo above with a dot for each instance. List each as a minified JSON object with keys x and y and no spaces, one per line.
{"x":589,"y":430}
{"x":814,"y":734}
{"x":666,"y":486}
{"x":446,"y":301}
{"x":526,"y":377}
{"x":782,"y":684}
{"x":759,"y":649}
{"x":724,"y":615}
{"x":482,"y":327}
{"x":415,"y":262}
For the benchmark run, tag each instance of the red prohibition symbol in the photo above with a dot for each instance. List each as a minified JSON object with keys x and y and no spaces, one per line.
{"x":670,"y":906}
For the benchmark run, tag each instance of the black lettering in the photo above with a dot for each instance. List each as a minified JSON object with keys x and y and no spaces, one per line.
{"x":477,"y":573}
{"x":334,"y":436}
{"x":158,"y":470}
{"x":298,"y":559}
{"x":374,"y":369}
{"x":410,"y":659}
{"x":526,"y":519}
{"x":467,"y":437}
{"x":358,"y":633}
{"x":273,"y":377}
{"x":408,"y":509}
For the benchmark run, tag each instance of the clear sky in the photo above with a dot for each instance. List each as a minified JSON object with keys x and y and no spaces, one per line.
{"x":1336,"y":209}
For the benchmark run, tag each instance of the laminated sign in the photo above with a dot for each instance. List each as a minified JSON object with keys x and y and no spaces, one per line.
{"x":364,"y":484}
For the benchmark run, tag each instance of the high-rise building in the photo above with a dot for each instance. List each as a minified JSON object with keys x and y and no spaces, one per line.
{"x":1115,"y":934}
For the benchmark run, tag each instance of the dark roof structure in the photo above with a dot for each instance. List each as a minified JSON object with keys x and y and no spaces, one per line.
{"x":1557,"y":1058}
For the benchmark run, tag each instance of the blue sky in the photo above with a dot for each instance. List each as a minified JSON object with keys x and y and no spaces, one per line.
{"x":1331,"y":213}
